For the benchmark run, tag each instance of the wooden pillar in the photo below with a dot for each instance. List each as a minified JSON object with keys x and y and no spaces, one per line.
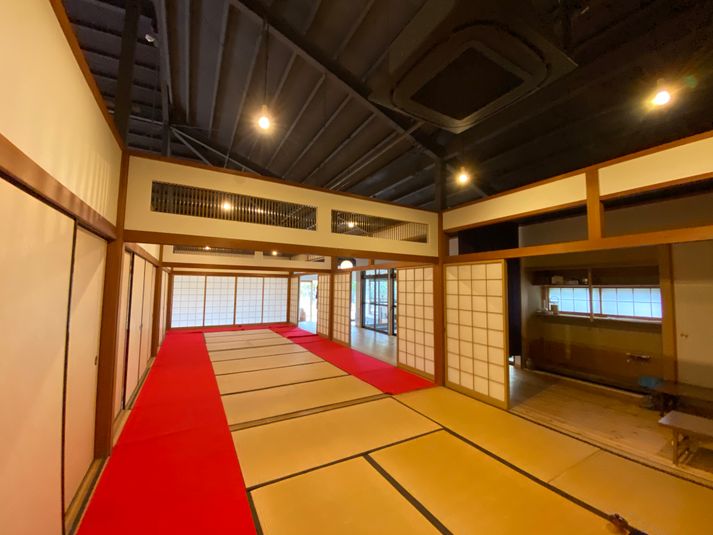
{"x":110,"y":325}
{"x":289,"y":295}
{"x":169,"y":298}
{"x":594,"y":206}
{"x":668,"y":319}
{"x":156,"y":314}
{"x":331,"y":297}
{"x":439,"y":307}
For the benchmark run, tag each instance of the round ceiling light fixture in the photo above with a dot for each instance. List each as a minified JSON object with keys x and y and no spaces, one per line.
{"x":661,"y":98}
{"x":346,"y":264}
{"x":463,"y":176}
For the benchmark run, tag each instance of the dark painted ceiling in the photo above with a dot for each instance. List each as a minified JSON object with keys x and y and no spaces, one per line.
{"x":196,"y":90}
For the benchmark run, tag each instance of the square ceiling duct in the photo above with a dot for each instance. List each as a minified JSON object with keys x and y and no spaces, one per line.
{"x":459,"y":62}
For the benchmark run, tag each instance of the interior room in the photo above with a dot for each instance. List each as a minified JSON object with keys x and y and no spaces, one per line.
{"x":315,"y":266}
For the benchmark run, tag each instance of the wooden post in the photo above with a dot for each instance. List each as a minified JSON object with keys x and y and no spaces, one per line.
{"x":439,"y":307}
{"x":331,"y":297}
{"x":289,"y":295}
{"x":594,"y":206}
{"x":110,"y":325}
{"x":668,"y":318}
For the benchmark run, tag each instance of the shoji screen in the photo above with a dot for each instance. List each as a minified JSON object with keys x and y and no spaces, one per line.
{"x":323,"y":304}
{"x":133,"y":353}
{"x":342,"y":308}
{"x":248,"y":305}
{"x":187,"y":305}
{"x":82,"y":353}
{"x":146,"y":316}
{"x":414,"y":311}
{"x":219,"y":300}
{"x":121,"y":335}
{"x":476,"y":330}
{"x":294,"y":300}
{"x":36,"y":262}
{"x":274,"y":300}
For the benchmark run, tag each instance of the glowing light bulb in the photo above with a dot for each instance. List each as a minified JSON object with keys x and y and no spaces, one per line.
{"x":463,"y":177}
{"x":206,"y":248}
{"x":661,"y":98}
{"x":263,"y":120}
{"x":227,"y":206}
{"x":351,"y":224}
{"x":274,"y":253}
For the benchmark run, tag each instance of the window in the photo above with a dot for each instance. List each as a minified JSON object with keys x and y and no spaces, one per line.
{"x":606,"y":301}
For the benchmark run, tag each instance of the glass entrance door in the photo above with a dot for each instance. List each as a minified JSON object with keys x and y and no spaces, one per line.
{"x":375,"y":291}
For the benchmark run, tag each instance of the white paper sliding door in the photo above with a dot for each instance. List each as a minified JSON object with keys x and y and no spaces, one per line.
{"x":274,"y":300}
{"x":342,"y":308}
{"x":147,"y":316}
{"x":82,"y":358}
{"x":36,"y":263}
{"x":219,"y":300}
{"x":133,"y":353}
{"x":188,"y":299}
{"x":248,"y":302}
{"x":122,"y":334}
{"x":414,"y":312}
{"x":294,"y":300}
{"x":323,"y":309}
{"x":476,"y":330}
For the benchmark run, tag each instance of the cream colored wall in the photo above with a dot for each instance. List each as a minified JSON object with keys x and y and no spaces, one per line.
{"x":693,"y":291}
{"x":36,"y":263}
{"x":565,"y":191}
{"x":229,"y":271}
{"x":82,"y":358}
{"x":143,"y":171}
{"x":48,"y":110}
{"x":257,"y":260}
{"x":687,"y":160}
{"x":151,"y":248}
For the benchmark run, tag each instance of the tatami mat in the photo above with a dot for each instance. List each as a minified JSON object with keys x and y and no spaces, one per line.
{"x":470,"y":492}
{"x":248,"y":332}
{"x":536,"y":449}
{"x":243,"y":344}
{"x":251,"y":406}
{"x":243,"y":382}
{"x":347,"y":498}
{"x":264,"y":363}
{"x":230,"y":354}
{"x":276,"y":450}
{"x":650,"y":500}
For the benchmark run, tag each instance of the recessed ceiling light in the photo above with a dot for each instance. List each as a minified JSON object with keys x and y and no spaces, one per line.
{"x":226,"y":206}
{"x":206,"y":248}
{"x":346,"y":264}
{"x":661,"y":98}
{"x":274,"y":253}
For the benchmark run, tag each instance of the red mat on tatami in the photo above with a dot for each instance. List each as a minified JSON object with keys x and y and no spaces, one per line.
{"x":379,"y":374}
{"x":174,"y":469}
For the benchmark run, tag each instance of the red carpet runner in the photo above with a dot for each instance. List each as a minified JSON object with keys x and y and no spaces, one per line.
{"x":174,"y":469}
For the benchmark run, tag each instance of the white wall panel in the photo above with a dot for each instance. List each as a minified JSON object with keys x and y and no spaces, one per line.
{"x":82,"y":357}
{"x":122,"y":334}
{"x":414,"y":313}
{"x":133,"y":354}
{"x":684,"y":161}
{"x":66,"y":135}
{"x":147,"y":316}
{"x":342,"y":308}
{"x":294,"y":300}
{"x":476,"y":330}
{"x":551,"y":194}
{"x":35,"y":260}
{"x":323,"y":310}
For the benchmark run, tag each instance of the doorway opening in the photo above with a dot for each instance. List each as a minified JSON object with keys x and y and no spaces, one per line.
{"x":307,"y":307}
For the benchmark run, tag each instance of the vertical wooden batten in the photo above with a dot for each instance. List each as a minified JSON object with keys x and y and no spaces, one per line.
{"x":439,"y":308}
{"x":111,"y":317}
{"x":289,"y":296}
{"x":594,"y":206}
{"x":333,"y":261}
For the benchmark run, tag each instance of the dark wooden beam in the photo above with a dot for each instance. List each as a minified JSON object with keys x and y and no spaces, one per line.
{"x":122,"y":108}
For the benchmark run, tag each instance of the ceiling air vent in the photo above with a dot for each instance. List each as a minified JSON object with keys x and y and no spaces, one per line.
{"x":459,"y":62}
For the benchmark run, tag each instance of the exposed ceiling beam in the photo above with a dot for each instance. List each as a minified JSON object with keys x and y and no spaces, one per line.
{"x":190,"y":147}
{"x":243,"y":97}
{"x":165,"y":74}
{"x":224,"y":16}
{"x":297,"y":118}
{"x":319,"y":133}
{"x":311,"y":54}
{"x":122,"y":107}
{"x":366,"y":122}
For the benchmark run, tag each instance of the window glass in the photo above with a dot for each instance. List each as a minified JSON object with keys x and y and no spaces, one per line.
{"x":644,"y":303}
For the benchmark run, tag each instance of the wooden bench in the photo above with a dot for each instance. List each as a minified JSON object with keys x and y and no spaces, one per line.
{"x":668,"y":393}
{"x":684,"y":427}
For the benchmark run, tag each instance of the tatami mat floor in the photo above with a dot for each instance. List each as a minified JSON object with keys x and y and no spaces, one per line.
{"x":428,"y":461}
